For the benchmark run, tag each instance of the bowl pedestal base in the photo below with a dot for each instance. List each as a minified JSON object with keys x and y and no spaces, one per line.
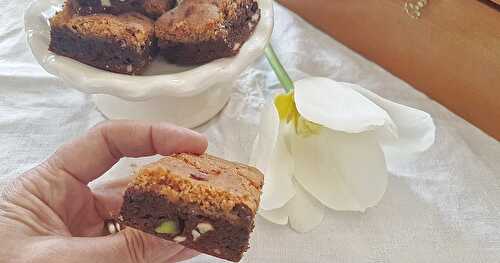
{"x":188,"y":112}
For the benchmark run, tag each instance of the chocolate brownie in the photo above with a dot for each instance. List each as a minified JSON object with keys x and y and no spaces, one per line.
{"x":202,"y":202}
{"x":151,"y":8}
{"x":122,"y":44}
{"x":199,"y":31}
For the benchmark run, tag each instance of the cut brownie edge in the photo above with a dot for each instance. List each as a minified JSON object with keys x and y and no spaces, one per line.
{"x":188,"y":54}
{"x":216,"y":236}
{"x":106,"y":54}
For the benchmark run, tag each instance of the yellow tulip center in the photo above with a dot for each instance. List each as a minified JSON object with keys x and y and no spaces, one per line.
{"x":287,"y":110}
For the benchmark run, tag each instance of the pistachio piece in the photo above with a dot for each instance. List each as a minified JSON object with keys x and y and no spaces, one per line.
{"x":167,"y":227}
{"x":105,"y":2}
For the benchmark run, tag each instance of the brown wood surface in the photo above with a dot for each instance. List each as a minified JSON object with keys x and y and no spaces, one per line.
{"x":452,"y":53}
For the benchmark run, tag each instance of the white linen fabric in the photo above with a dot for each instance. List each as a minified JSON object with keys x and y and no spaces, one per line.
{"x":442,"y":206}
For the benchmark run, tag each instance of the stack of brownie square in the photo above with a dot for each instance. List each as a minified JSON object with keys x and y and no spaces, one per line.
{"x":123,"y":36}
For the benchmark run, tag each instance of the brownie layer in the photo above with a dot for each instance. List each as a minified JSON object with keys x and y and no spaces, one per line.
{"x":195,"y":53}
{"x":197,"y":31}
{"x":209,"y":234}
{"x":106,"y":54}
{"x":151,"y":8}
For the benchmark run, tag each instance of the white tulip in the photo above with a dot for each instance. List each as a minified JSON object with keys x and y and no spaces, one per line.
{"x":322,"y":146}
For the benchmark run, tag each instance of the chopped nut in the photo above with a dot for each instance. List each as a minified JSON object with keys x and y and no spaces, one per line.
{"x":236,"y":46}
{"x":199,"y":176}
{"x":195,"y":234}
{"x":105,"y":2}
{"x":205,"y":227}
{"x":179,"y":239}
{"x":167,"y":227}
{"x":217,"y":251}
{"x":255,"y":17}
{"x":118,"y":227}
{"x":111,"y":228}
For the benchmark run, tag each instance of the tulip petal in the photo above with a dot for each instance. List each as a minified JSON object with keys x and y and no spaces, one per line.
{"x":303,"y":212}
{"x":343,"y":171}
{"x":416,"y":128}
{"x":266,"y":137}
{"x":277,"y":216}
{"x":337,"y":106}
{"x":272,"y":157}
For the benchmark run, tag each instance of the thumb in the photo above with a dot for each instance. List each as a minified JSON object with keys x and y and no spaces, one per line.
{"x":129,"y":246}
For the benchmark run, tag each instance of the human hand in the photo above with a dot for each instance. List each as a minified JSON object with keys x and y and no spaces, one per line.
{"x":49,"y":214}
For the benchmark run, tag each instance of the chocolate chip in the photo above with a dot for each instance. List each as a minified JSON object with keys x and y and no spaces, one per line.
{"x":199,"y":176}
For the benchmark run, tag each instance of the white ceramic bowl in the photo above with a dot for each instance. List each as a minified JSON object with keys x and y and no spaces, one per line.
{"x":184,"y":96}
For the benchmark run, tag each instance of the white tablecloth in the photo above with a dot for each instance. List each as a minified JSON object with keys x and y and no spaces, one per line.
{"x":443,"y":206}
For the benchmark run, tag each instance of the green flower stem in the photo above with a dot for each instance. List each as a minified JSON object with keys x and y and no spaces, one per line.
{"x":278,"y":69}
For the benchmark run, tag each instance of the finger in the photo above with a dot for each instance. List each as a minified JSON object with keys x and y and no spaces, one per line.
{"x":127,"y":246}
{"x":185,"y":254}
{"x":108,"y":196}
{"x":88,"y":157}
